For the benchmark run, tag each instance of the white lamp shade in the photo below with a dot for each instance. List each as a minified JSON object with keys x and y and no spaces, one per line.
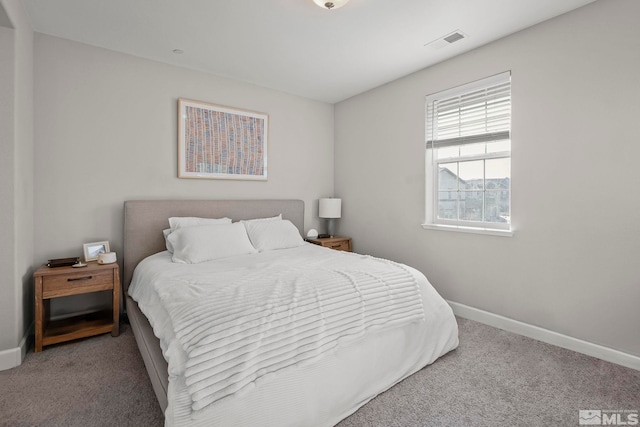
{"x":330,"y":208}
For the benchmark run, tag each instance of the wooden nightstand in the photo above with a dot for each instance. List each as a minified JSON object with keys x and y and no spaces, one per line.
{"x":65,"y":281}
{"x":336,"y":242}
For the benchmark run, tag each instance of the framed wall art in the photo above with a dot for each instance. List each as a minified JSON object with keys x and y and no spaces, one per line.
{"x":217,"y":142}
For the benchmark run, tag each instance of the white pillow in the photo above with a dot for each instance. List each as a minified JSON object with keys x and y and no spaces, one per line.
{"x":166,"y":233}
{"x":193,"y":245}
{"x":271,"y":218}
{"x":177,"y":222}
{"x":269,"y":235}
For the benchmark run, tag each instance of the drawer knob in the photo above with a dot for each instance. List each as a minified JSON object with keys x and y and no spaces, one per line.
{"x":75,"y":279}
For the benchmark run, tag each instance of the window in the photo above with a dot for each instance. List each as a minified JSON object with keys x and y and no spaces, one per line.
{"x":468,"y":167}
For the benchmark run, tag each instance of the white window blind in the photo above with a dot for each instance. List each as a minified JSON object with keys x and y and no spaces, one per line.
{"x":480,"y":115}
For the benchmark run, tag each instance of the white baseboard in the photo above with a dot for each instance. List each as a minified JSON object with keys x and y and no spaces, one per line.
{"x":14,"y":356}
{"x":545,"y":335}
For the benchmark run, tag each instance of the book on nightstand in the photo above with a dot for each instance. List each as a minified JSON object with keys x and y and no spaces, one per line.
{"x":62,"y":262}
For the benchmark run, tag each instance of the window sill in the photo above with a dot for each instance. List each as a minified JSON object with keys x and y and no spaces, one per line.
{"x":472,"y":230}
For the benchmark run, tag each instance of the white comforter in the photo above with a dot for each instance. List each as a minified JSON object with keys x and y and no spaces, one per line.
{"x":228,"y":325}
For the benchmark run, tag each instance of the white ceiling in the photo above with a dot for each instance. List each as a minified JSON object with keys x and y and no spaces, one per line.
{"x":292,"y":45}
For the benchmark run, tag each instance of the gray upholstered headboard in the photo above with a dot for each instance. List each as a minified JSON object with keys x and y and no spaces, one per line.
{"x":144,"y":221}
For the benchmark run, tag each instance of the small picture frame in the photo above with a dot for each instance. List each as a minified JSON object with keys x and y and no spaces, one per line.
{"x":92,"y":250}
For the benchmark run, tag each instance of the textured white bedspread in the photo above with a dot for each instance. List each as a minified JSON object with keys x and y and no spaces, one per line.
{"x":227,"y":326}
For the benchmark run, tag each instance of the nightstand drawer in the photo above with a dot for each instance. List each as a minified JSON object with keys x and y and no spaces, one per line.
{"x":342,"y":245}
{"x":80,"y":282}
{"x":337,"y":243}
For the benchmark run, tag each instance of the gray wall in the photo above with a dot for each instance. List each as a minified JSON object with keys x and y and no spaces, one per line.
{"x":572,"y":266}
{"x":16,"y":174}
{"x":106,"y":131}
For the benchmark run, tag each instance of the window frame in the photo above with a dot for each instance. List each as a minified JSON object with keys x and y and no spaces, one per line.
{"x":432,"y":169}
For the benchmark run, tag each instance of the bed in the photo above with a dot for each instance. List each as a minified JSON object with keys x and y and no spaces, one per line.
{"x":317,"y":372}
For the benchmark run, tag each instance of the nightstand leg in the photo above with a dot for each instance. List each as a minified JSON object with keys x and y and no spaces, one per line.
{"x":115,"y":331}
{"x":39,"y":315}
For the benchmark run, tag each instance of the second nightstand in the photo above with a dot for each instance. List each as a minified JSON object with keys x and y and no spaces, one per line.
{"x":336,"y":242}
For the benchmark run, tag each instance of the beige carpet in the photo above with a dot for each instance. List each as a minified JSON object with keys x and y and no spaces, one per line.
{"x":494,"y":378}
{"x":97,"y":381}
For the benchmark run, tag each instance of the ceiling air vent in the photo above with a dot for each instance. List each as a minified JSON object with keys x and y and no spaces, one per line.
{"x":446,"y":40}
{"x":454,"y":37}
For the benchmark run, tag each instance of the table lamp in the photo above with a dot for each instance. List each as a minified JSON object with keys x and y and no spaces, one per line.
{"x":330,"y":209}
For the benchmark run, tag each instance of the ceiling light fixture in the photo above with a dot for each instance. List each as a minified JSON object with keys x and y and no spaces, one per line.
{"x":335,"y":4}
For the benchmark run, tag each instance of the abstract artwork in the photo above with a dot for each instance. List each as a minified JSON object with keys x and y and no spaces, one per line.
{"x":218,"y":142}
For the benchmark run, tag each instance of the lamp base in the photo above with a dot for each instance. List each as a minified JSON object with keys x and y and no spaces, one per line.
{"x":331,"y":227}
